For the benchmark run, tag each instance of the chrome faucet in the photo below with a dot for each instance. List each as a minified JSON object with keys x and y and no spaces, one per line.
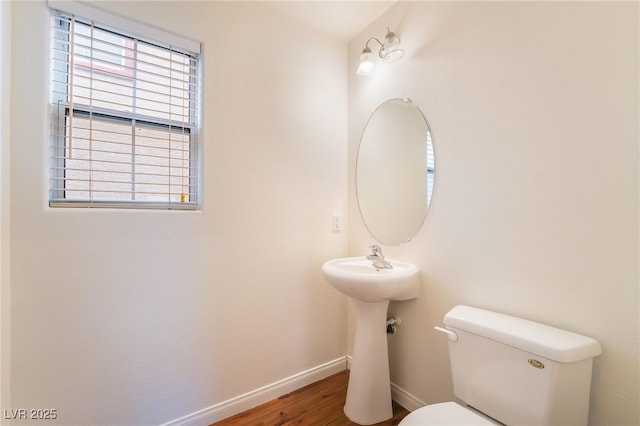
{"x":378,"y":258}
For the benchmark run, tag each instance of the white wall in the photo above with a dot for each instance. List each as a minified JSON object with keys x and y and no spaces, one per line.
{"x":124,"y":317}
{"x":5,"y":126}
{"x":534,"y":113}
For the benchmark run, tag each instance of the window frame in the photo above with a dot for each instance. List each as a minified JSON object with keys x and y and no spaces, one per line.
{"x":61,"y":109}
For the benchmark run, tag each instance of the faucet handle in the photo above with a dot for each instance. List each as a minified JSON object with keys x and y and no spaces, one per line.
{"x":376,"y":250}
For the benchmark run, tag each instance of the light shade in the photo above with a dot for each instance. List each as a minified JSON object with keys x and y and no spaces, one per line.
{"x":391,"y":50}
{"x":367,"y":62}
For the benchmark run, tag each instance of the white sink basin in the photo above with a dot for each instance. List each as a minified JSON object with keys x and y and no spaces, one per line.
{"x":357,"y":278}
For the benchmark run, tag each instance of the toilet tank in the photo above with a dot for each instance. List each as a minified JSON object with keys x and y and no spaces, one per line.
{"x":520,"y":372}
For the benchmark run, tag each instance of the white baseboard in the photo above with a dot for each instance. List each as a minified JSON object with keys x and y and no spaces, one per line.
{"x":259,"y":396}
{"x":404,"y":398}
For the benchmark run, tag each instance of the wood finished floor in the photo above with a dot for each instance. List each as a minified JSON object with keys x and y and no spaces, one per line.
{"x":317,"y":404}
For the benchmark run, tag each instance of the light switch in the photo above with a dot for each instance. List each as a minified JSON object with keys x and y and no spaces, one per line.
{"x":336,"y":222}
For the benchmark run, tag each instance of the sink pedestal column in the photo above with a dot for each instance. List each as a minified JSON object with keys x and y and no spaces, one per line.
{"x":369,"y":390}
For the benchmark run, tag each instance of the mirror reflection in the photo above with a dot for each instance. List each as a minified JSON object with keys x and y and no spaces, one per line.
{"x":395,"y":172}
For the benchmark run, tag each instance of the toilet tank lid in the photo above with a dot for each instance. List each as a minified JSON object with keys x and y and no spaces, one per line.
{"x":543,"y":340}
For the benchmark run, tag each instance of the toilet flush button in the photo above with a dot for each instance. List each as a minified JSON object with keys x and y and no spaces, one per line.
{"x":452,"y":335}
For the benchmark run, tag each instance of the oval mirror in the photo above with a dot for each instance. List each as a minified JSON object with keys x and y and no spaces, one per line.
{"x":395,"y":172}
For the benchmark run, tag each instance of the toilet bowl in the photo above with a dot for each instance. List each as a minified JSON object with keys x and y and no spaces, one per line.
{"x":446,"y":414}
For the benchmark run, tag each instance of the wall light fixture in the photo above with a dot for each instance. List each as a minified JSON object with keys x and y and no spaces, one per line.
{"x":390,"y":51}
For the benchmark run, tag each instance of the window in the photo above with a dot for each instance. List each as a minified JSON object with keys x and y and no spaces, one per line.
{"x":431,"y":167}
{"x":124,"y":119}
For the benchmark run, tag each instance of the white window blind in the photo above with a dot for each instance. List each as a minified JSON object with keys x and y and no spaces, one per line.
{"x":124,"y":119}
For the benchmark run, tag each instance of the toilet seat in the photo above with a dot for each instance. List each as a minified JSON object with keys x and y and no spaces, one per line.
{"x":446,"y":414}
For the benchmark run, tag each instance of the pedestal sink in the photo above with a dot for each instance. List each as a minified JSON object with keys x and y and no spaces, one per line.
{"x":369,"y":389}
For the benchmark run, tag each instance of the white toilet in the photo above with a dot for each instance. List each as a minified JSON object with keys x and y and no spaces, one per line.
{"x":512,"y":371}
